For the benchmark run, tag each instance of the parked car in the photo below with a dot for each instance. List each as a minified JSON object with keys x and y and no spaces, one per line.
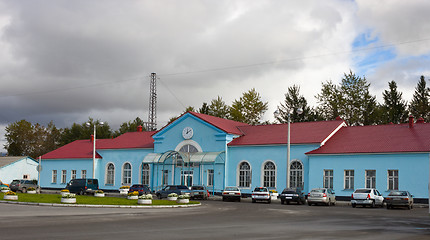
{"x":83,"y":186}
{"x":293,"y":195}
{"x":22,"y":185}
{"x":367,"y":196}
{"x":199,"y":192}
{"x":178,"y":189}
{"x":231,"y":193}
{"x":142,"y":189}
{"x":399,"y":199}
{"x":322,"y":196}
{"x":261,"y":194}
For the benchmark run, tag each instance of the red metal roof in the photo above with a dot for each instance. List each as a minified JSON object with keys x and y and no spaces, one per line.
{"x":301,"y":133}
{"x":129,"y":140}
{"x":228,"y":126}
{"x":76,"y":149}
{"x":378,"y":139}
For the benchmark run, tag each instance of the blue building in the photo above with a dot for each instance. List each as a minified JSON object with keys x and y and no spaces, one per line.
{"x":198,"y":149}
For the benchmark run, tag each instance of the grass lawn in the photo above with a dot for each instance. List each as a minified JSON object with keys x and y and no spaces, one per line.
{"x":88,"y":199}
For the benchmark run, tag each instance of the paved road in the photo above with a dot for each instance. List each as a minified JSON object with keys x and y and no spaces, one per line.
{"x":214,"y":220}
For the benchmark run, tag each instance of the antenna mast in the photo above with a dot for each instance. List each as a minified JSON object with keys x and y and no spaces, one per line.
{"x":152,"y":115}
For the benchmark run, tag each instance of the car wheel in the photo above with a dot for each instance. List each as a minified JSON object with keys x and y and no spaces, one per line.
{"x":253,"y":201}
{"x":353,"y":205}
{"x":24,"y":190}
{"x":310,"y":204}
{"x":288,"y":203}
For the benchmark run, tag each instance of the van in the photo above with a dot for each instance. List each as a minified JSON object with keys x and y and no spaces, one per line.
{"x":83,"y":185}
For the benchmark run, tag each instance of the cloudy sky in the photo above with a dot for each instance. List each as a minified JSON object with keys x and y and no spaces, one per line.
{"x":66,"y":61}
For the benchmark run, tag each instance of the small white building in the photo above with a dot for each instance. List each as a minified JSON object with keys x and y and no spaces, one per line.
{"x":18,"y":168}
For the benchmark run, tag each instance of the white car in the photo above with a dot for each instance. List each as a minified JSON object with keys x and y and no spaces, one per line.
{"x":261,"y":194}
{"x":231,"y":193}
{"x":367,"y":196}
{"x":321,"y":196}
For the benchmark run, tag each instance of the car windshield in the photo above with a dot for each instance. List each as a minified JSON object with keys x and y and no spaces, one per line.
{"x":398,"y":193}
{"x":260,"y":190}
{"x":197,"y":188}
{"x":363,"y":190}
{"x":231,"y":189}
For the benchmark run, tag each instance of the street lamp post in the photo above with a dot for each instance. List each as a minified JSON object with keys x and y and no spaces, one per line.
{"x":277,"y":114}
{"x":94,"y":147}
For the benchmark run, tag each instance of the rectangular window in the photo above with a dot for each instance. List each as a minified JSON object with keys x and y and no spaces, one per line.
{"x":210,"y":177}
{"x":370,"y":178}
{"x":63,"y":176}
{"x":54,"y":176}
{"x":73,"y":176}
{"x":393,"y":179}
{"x":165,"y":177}
{"x":328,"y":179}
{"x":349,"y":179}
{"x":84,"y":174}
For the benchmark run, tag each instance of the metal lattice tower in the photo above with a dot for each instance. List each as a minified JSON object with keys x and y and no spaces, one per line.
{"x":152,"y":115}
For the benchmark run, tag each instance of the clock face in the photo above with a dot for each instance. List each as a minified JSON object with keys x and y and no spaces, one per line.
{"x":187,"y":133}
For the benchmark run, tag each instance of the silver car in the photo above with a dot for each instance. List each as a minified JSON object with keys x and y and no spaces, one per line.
{"x":324,"y":196}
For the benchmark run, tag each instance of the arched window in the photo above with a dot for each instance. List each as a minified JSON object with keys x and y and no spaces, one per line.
{"x":269,"y":175}
{"x":110,"y":174}
{"x":188,"y":149}
{"x":145,"y":174}
{"x":296,"y":174}
{"x":126,"y":174}
{"x":244,"y":175}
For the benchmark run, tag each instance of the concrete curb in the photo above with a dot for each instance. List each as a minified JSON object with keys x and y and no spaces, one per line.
{"x":100,"y":206}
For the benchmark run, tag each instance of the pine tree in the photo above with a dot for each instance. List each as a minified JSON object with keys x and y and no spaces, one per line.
{"x":394,"y":107}
{"x":293,"y":101}
{"x":419,"y":106}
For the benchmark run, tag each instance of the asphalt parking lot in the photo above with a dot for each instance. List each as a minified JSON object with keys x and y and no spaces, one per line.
{"x":214,"y":220}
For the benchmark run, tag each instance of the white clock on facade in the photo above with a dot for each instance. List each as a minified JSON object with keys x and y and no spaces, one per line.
{"x":187,"y":133}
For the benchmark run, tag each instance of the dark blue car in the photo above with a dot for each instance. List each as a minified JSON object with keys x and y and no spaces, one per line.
{"x":178,"y":189}
{"x":142,"y":189}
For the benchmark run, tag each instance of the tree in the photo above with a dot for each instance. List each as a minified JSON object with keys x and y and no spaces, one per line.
{"x":249,"y":108}
{"x":330,"y":101}
{"x":419,"y":106}
{"x":394,"y":108}
{"x":293,"y":101}
{"x":359,"y":106}
{"x":25,"y":139}
{"x":218,"y":108}
{"x":19,"y":138}
{"x":83,"y":131}
{"x":130,"y":126}
{"x":351,"y":100}
{"x":204,"y":109}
